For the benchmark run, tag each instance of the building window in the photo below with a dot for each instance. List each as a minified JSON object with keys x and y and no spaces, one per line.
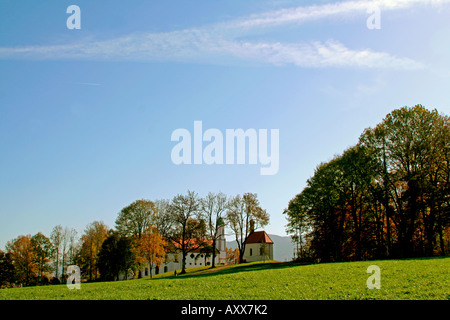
{"x":251,"y":252}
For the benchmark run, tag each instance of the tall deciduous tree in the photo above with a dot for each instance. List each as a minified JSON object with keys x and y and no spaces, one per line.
{"x":7,"y":270}
{"x":23,"y":257}
{"x":297,"y":216}
{"x":412,"y":145}
{"x":91,"y":242}
{"x":150,"y":248}
{"x":68,"y":242}
{"x":56,"y":237}
{"x":162,"y":218}
{"x":244,"y":214}
{"x":388,"y":196}
{"x":135,"y":218}
{"x":188,"y":231}
{"x":42,"y":249}
{"x":212,"y":208}
{"x":115,"y":256}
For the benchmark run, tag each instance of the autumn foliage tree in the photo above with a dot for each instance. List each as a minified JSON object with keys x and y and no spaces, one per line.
{"x":150,"y":248}
{"x":42,"y":251}
{"x":388,"y":196}
{"x":232,"y":255}
{"x":23,"y":258}
{"x":91,"y":243}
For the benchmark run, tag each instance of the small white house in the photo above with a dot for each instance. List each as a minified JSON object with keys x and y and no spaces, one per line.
{"x":258,"y":247}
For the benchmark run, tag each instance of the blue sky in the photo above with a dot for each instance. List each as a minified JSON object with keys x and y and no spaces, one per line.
{"x":86,"y":115}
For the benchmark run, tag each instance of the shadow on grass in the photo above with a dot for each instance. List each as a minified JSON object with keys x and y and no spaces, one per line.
{"x":252,"y":266}
{"x":244,"y":267}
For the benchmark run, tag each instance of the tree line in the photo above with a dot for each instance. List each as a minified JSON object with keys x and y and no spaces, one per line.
{"x":145,"y":233}
{"x":386,"y":197}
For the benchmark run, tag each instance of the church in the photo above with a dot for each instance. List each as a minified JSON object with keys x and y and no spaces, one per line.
{"x":258,"y":247}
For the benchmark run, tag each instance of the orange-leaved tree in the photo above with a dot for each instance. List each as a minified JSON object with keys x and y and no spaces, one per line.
{"x":150,"y":248}
{"x":23,"y":258}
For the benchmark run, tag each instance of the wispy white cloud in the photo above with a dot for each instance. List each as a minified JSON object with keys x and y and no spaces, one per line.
{"x":191,"y":47}
{"x":303,"y":14}
{"x":316,"y":54}
{"x":221,"y":40}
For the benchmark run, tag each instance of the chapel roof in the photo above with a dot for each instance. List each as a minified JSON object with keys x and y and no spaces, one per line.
{"x":258,"y":237}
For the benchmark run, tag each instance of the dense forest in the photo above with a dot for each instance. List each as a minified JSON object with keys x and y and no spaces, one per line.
{"x":388,"y":196}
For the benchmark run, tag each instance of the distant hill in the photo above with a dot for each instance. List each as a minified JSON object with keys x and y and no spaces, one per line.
{"x":283,"y":247}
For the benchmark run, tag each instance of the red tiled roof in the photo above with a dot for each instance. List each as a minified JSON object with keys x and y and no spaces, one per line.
{"x":258,"y":237}
{"x":193,"y":244}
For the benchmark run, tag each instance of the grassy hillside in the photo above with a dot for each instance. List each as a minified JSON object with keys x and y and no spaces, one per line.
{"x":400,"y":279}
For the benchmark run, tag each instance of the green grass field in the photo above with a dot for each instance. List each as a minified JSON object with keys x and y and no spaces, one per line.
{"x":400,"y":279}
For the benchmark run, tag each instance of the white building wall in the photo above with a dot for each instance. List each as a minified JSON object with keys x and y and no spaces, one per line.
{"x":174,"y":262}
{"x":253,"y":252}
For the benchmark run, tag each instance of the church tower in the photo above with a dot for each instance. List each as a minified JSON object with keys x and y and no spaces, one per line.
{"x":221,"y":242}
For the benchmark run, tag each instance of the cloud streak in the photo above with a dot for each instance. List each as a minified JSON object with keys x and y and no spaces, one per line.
{"x":219,"y":42}
{"x":300,"y":15}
